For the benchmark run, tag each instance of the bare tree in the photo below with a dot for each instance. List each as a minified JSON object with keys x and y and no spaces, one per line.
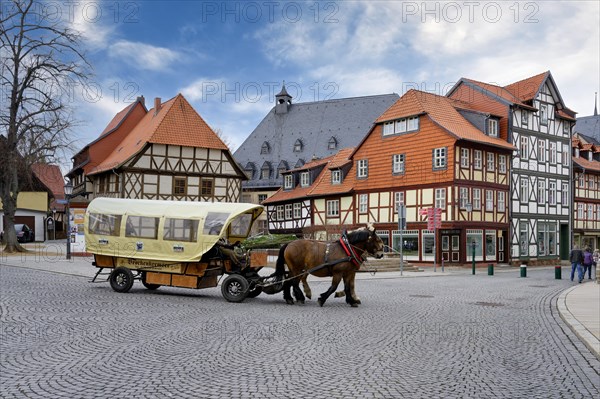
{"x":40,"y":61}
{"x":226,"y":139}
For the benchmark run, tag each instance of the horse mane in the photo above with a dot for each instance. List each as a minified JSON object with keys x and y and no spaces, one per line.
{"x":358,"y":235}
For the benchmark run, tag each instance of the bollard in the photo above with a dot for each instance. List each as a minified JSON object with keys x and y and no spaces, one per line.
{"x":523,"y":270}
{"x":557,"y":272}
{"x":491,"y":269}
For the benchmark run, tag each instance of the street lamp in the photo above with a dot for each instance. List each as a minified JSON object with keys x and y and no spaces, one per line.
{"x":54,"y":219}
{"x":68,"y":192}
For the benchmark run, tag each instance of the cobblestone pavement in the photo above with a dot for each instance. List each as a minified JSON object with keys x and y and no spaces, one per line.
{"x":449,"y":337}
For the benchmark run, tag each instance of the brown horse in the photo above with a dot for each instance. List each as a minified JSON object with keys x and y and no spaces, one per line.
{"x":341,"y":260}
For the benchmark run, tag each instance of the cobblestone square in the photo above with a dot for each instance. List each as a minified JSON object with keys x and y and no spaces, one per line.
{"x":455,"y":336}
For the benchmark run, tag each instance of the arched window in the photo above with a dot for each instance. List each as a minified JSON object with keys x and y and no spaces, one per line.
{"x":265,"y":171}
{"x":266,"y":148}
{"x":332,"y":143}
{"x":298,"y":146}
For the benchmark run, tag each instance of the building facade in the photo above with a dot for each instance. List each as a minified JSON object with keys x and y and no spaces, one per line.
{"x":539,"y":125}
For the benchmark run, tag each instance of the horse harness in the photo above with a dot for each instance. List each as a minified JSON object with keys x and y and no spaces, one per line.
{"x":349,"y":250}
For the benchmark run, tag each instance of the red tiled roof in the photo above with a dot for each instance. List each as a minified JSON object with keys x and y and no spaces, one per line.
{"x":117,"y":119}
{"x":52,"y":178}
{"x":442,"y":110}
{"x":586,"y":164}
{"x":526,"y":89}
{"x":322,"y":185}
{"x":565,"y":115}
{"x":176,"y":123}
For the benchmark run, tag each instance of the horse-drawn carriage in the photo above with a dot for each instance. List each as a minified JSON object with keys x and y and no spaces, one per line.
{"x":178,"y":244}
{"x":188,"y":244}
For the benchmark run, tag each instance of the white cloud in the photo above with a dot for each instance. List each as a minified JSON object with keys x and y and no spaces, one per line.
{"x":143,"y":56}
{"x":87,"y":18}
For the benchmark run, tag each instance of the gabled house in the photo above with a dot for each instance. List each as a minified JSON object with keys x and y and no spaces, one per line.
{"x":52,"y":178}
{"x":315,"y":200}
{"x":292,"y":134}
{"x":586,"y":181}
{"x":534,"y":118}
{"x":168,"y":152}
{"x":429,"y":151}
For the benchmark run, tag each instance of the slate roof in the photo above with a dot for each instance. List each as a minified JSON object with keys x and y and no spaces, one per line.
{"x":347,"y":120}
{"x":322,"y":185}
{"x":443,"y":111}
{"x":589,"y":126}
{"x":176,"y":123}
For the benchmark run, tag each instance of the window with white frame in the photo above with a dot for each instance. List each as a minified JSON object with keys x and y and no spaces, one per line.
{"x":581,"y":181}
{"x":564,"y":195}
{"x":388,"y":128}
{"x":552,"y":192}
{"x":297,"y":210}
{"x":543,"y":114}
{"x":280,"y":213}
{"x":580,"y":211}
{"x":404,"y":125}
{"x":524,"y":147}
{"x":552,"y":153}
{"x":541,"y":191}
{"x":524,"y":190}
{"x":288,"y":211}
{"x":413,"y":124}
{"x":304,"y":179}
{"x":501,"y":201}
{"x":489,"y":200}
{"x":490,"y":244}
{"x":590,"y":211}
{"x":502,"y":163}
{"x":566,"y":127}
{"x":288,"y":182}
{"x":336,"y":176}
{"x":590,"y":182}
{"x":363,"y":203}
{"x":475,"y":236}
{"x":400,"y":126}
{"x":546,"y":239}
{"x":523,"y":239}
{"x":464,"y":157}
{"x":398,"y":163}
{"x":542,"y":150}
{"x":598,"y":212}
{"x":440,"y":158}
{"x":524,"y":117}
{"x":490,"y":161}
{"x":398,"y":199}
{"x":476,"y":198}
{"x":440,"y":198}
{"x":362,"y":168}
{"x":477,"y":159}
{"x":464,"y":197}
{"x":492,"y":127}
{"x":333,"y":208}
{"x":565,"y":155}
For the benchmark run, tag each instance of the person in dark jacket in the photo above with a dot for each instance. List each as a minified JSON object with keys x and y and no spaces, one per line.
{"x":588,"y":261}
{"x":576,"y":259}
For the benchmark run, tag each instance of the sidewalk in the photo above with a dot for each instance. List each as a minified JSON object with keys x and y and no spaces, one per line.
{"x":578,"y":306}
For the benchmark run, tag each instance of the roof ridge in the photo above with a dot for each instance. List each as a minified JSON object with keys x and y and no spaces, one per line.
{"x":345,"y":98}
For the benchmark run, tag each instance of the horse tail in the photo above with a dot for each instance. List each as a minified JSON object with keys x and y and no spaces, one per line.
{"x":280,"y":264}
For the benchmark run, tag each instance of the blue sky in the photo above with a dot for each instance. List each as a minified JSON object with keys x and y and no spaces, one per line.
{"x":228,"y":58}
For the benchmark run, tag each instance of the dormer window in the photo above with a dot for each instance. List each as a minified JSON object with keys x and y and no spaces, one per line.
{"x":543,"y":114}
{"x":288,"y":182}
{"x":265,"y":171}
{"x":304,"y":179}
{"x":492,"y":127}
{"x":336,"y":176}
{"x":300,"y":163}
{"x":282,"y":167}
{"x":250,"y":169}
{"x":266,"y":148}
{"x":401,"y":126}
{"x":298,"y":146}
{"x":332,"y":144}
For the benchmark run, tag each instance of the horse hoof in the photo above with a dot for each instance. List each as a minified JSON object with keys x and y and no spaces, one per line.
{"x":289,"y":301}
{"x":358,"y":302}
{"x":321,"y":302}
{"x":354,"y":305}
{"x":309,"y":296}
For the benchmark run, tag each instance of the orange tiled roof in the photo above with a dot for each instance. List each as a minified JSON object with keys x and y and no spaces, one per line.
{"x":498,"y":90}
{"x":586,"y":164}
{"x":526,"y":89}
{"x":52,"y":178}
{"x":322,"y":184}
{"x":441,"y":110}
{"x":176,"y":123}
{"x":118,"y":118}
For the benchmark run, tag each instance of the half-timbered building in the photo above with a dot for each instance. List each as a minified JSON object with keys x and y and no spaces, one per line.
{"x":315,"y":200}
{"x":538,"y":124}
{"x":586,"y":182}
{"x":168,"y":152}
{"x":429,"y":151}
{"x":292,"y":134}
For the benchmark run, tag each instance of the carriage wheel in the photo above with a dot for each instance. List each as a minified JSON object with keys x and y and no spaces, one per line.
{"x":235,"y":288}
{"x":121,"y":279}
{"x":148,"y":285}
{"x":254,"y":292}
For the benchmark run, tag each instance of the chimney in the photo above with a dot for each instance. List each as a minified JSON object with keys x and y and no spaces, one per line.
{"x":156,"y":105}
{"x":142,"y":100}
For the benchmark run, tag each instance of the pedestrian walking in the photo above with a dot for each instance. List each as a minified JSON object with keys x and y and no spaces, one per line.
{"x":595,"y":264}
{"x":576,"y":259}
{"x":588,"y":261}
